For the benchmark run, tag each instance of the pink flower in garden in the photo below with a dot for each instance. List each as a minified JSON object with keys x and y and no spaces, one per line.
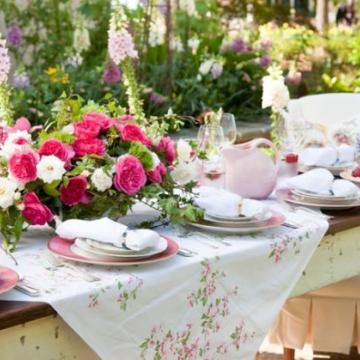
{"x":89,"y":147}
{"x":121,"y":45}
{"x":167,"y":146}
{"x":157,"y":98}
{"x":4,"y":62}
{"x":55,"y":147}
{"x":101,"y":119}
{"x":131,"y":132}
{"x":14,"y":35}
{"x":216,"y":70}
{"x":75,"y":192}
{"x":22,"y":124}
{"x":35,"y":212}
{"x":156,"y":175}
{"x":22,"y":165}
{"x":127,"y":117}
{"x":130,"y":175}
{"x":87,"y":129}
{"x":112,"y":74}
{"x":239,"y":46}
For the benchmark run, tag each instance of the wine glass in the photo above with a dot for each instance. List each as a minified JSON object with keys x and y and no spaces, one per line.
{"x":228,"y":124}
{"x":211,"y":140}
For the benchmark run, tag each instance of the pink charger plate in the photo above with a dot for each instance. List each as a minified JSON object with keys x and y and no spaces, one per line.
{"x":62,"y":248}
{"x":8,"y":279}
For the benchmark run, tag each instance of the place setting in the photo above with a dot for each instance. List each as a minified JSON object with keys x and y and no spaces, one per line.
{"x":228,"y":213}
{"x":109,"y":243}
{"x":320,"y":189}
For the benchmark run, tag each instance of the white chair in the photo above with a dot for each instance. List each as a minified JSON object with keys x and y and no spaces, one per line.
{"x":326,"y":109}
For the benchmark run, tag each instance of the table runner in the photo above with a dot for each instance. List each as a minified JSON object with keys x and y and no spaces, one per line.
{"x":216,"y":305}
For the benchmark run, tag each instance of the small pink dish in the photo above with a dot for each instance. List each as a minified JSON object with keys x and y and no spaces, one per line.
{"x":8,"y":279}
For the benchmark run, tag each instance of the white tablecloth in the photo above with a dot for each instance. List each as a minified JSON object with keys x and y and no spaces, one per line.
{"x":216,"y":305}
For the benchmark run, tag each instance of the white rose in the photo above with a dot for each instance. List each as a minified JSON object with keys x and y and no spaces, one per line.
{"x":20,"y":134}
{"x":68,"y":129}
{"x":184,"y":151}
{"x":50,"y":168}
{"x":275,"y":93}
{"x":10,"y":146}
{"x":185,"y":172}
{"x":7,"y":192}
{"x":101,"y":180}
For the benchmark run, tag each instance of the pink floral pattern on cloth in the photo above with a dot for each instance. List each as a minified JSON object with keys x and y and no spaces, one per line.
{"x":212,"y":310}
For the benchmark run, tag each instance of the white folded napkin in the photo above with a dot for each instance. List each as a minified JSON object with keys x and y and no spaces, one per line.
{"x":317,"y":180}
{"x":223,"y":202}
{"x":324,"y":156}
{"x":327,"y":156}
{"x":344,"y":188}
{"x":346,"y":153}
{"x":108,"y":231}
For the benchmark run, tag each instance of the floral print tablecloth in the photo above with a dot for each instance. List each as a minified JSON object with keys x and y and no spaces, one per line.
{"x":215,"y":305}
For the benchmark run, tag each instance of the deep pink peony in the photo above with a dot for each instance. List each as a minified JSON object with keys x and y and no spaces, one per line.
{"x":87,"y":129}
{"x":156,"y":175}
{"x":131,"y":132}
{"x":75,"y":192}
{"x":129,"y":175}
{"x":22,"y":165}
{"x":35,"y":212}
{"x":89,"y":147}
{"x":55,"y":147}
{"x":167,"y":146}
{"x":103,"y":120}
{"x":22,"y":123}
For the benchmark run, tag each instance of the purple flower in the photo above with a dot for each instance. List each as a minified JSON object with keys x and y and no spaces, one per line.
{"x":265,"y":61}
{"x":157,"y":98}
{"x":112,"y":74}
{"x":20,"y":80}
{"x":14,"y":35}
{"x":265,"y":44}
{"x":239,"y":46}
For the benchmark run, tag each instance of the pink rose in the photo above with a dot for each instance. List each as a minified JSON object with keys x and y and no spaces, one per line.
{"x":75,"y":192}
{"x":131,"y":132}
{"x":129,"y":175}
{"x":127,"y":117}
{"x":22,"y":123}
{"x":35,"y":212}
{"x":166,"y":145}
{"x":22,"y":165}
{"x":89,"y":147}
{"x":104,"y":121}
{"x":156,"y":175}
{"x":55,"y":147}
{"x":87,"y":129}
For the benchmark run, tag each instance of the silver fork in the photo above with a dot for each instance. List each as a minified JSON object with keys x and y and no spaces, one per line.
{"x":56,"y":263}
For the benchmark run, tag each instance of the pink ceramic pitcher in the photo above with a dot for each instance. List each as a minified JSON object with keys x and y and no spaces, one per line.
{"x":249,"y":171}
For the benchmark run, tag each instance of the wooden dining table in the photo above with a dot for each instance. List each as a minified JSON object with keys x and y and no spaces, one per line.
{"x":27,"y":327}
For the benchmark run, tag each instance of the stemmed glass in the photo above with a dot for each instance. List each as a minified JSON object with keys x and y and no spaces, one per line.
{"x":228,"y":124}
{"x":211,"y":140}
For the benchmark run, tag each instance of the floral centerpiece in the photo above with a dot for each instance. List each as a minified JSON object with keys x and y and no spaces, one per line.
{"x":90,"y":160}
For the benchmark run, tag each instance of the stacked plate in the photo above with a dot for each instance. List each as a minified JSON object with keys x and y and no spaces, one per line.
{"x":307,"y":198}
{"x":94,"y":252}
{"x":238,"y":225}
{"x":335,"y":169}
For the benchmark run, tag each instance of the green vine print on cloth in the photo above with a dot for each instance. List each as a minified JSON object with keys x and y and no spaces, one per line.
{"x":192,"y":343}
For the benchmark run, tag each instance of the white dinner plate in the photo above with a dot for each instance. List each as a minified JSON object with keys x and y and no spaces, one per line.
{"x":88,"y":246}
{"x":276,"y":220}
{"x":334,"y":169}
{"x":288,"y":196}
{"x":334,"y":198}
